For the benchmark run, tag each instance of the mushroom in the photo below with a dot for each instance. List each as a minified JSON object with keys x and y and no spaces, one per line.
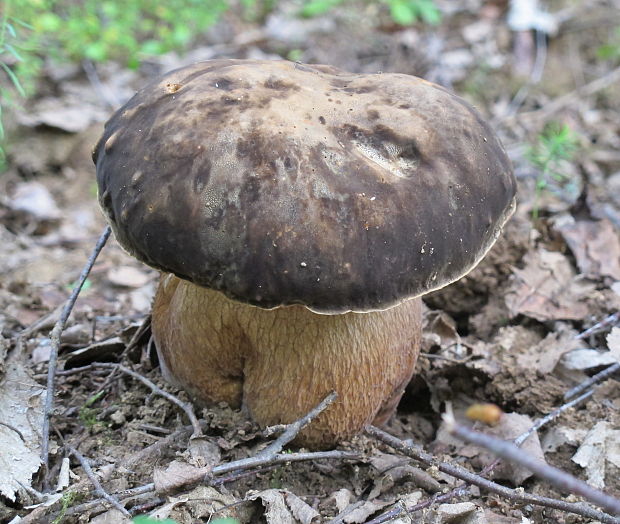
{"x":298,"y":213}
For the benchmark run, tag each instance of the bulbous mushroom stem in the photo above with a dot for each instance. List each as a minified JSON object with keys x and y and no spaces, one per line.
{"x":278,"y":364}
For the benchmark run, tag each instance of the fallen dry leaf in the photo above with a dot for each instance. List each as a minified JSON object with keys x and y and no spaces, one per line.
{"x":35,"y":199}
{"x":547,"y":289}
{"x":128,"y":276}
{"x":176,"y":475}
{"x":283,"y":507}
{"x":439,"y":330}
{"x":601,"y":446}
{"x":596,"y":247}
{"x":510,"y":426}
{"x":21,"y":408}
{"x":545,"y":355}
{"x":459,"y":513}
{"x":559,"y":435}
{"x":613,"y":340}
{"x":589,"y":358}
{"x":368,"y":508}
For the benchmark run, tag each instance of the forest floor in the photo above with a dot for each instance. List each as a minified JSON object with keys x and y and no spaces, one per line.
{"x":508,"y":333}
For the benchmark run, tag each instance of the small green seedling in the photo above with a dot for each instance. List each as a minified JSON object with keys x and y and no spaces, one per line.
{"x":10,"y":53}
{"x":145,"y":519}
{"x":403,"y":12}
{"x":87,"y":414}
{"x":555,"y":146}
{"x":66,"y":501}
{"x":610,"y":50}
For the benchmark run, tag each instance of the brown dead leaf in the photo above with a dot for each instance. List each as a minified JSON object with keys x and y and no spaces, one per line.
{"x":600,"y":448}
{"x":283,"y":507}
{"x":128,"y":276}
{"x":613,"y":340}
{"x":460,"y":513}
{"x":510,"y":426}
{"x":545,"y":355}
{"x":547,"y":289}
{"x":176,"y":475}
{"x":21,"y":411}
{"x":368,"y":508}
{"x":439,"y":330}
{"x":596,"y":247}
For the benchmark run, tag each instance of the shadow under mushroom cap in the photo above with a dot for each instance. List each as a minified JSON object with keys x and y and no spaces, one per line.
{"x":281,"y":183}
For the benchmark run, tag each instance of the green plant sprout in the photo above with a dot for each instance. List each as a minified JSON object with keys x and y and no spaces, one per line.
{"x":87,"y":414}
{"x":145,"y":519}
{"x":127,"y":31}
{"x":10,"y":53}
{"x":66,"y":501}
{"x":403,"y":12}
{"x":556,"y":145}
{"x":610,"y":50}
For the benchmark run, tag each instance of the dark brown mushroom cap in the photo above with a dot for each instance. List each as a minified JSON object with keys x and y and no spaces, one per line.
{"x":280,"y":183}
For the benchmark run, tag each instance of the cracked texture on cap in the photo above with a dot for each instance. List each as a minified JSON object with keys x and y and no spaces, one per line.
{"x":279,"y":183}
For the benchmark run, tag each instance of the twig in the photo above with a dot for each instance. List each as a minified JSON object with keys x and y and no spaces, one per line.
{"x":98,"y":487}
{"x":555,"y":476}
{"x":548,"y":418}
{"x":463,"y":489}
{"x":156,"y":447}
{"x":243,"y":464}
{"x":128,"y":494}
{"x":104,"y":92}
{"x":535,"y":75}
{"x":339,"y":519}
{"x":611,"y":78}
{"x":293,"y":429}
{"x":55,"y":345}
{"x":13,"y":428}
{"x":606,"y":322}
{"x":185,"y":406}
{"x":601,"y":375}
{"x":516,"y":495}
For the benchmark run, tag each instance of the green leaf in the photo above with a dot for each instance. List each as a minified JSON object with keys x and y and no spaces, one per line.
{"x":152,"y":47}
{"x":96,"y":51}
{"x":13,"y":78}
{"x":48,"y":22}
{"x":429,"y":12}
{"x":318,"y":7}
{"x":145,"y":519}
{"x":11,"y":29}
{"x":402,"y":12}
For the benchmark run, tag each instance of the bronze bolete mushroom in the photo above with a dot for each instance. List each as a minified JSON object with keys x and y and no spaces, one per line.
{"x":297,"y":213}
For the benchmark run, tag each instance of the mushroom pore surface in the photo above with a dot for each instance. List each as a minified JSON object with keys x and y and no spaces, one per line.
{"x":298,"y":212}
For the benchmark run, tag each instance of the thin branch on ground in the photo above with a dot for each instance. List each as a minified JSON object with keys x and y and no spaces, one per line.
{"x":535,"y":75}
{"x":600,"y":376}
{"x":553,"y":475}
{"x":13,"y":428}
{"x":551,"y":416}
{"x":608,"y":321}
{"x":268,"y":457}
{"x":293,"y":429}
{"x":187,"y":407}
{"x":104,"y":92}
{"x":156,"y":447}
{"x":242,"y":464}
{"x":339,"y":519}
{"x":464,"y":489}
{"x":125,"y":496}
{"x":98,"y":487}
{"x":603,"y":82}
{"x":515,"y":495}
{"x":55,"y":346}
